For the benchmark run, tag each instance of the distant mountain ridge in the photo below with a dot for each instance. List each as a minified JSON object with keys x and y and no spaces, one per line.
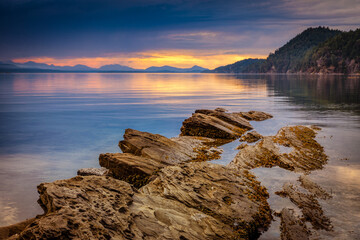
{"x":315,"y":50}
{"x":42,"y":67}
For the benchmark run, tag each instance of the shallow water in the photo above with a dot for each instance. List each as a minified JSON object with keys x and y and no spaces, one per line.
{"x":53,"y":124}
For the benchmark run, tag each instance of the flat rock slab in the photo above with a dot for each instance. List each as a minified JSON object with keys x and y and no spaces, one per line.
{"x":130,"y":168}
{"x":203,"y":125}
{"x":98,"y":207}
{"x":304,"y":152}
{"x":255,"y":115}
{"x":233,"y":197}
{"x":292,"y":228}
{"x":93,"y":171}
{"x":159,"y":148}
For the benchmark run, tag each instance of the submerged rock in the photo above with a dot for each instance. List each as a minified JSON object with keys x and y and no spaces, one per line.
{"x":305,"y":154}
{"x":251,"y":137}
{"x":233,"y":197}
{"x":292,"y":227}
{"x":93,"y":171}
{"x":255,"y":115}
{"x":309,"y":206}
{"x":313,"y":188}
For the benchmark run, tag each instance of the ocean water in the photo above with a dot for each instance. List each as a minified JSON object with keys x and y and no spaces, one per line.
{"x":52,"y":124}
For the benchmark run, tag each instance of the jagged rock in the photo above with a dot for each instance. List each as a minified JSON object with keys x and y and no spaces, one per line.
{"x":233,"y":197}
{"x":98,"y":207}
{"x":313,"y":188}
{"x":305,"y":153}
{"x":93,"y":171}
{"x":231,"y":118}
{"x":251,"y":137}
{"x":309,"y":206}
{"x":162,"y":149}
{"x":130,"y":168}
{"x":241,"y":146}
{"x":255,"y":115}
{"x":203,"y":125}
{"x":292,"y":228}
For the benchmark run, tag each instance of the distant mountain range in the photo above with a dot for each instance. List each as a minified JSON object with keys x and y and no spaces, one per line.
{"x":315,"y":50}
{"x":42,"y":67}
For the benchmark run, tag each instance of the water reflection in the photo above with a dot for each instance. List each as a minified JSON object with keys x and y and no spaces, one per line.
{"x":53,"y":124}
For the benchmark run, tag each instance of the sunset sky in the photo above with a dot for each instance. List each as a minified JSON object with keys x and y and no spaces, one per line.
{"x":144,"y":33}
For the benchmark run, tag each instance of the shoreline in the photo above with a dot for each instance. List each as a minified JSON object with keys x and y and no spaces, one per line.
{"x":144,"y":168}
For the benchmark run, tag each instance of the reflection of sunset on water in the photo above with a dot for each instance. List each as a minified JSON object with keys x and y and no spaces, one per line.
{"x":147,"y":84}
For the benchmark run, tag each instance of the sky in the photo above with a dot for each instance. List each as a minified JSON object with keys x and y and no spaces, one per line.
{"x":144,"y":33}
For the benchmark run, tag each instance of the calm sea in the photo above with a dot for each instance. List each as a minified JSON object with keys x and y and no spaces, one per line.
{"x":53,"y":124}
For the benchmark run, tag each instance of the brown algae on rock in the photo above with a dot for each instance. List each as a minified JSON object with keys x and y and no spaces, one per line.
{"x":306,"y":153}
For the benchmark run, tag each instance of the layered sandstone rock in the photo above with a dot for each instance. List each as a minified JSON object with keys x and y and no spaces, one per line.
{"x":233,"y":197}
{"x":159,"y":148}
{"x":293,"y":148}
{"x":251,"y":137}
{"x":255,"y":115}
{"x":98,"y":207}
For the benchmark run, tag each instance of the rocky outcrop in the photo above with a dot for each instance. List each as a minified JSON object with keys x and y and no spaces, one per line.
{"x":251,"y":137}
{"x":219,"y":124}
{"x":255,"y":115}
{"x":309,"y":206}
{"x":98,"y":207}
{"x":233,"y":197}
{"x":292,"y":227}
{"x":231,"y":118}
{"x":161,"y":149}
{"x":130,"y":168}
{"x":293,"y":148}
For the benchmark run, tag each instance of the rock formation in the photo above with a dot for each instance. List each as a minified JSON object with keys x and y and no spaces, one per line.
{"x":309,"y":206}
{"x":304,"y":152}
{"x":251,"y":137}
{"x":292,"y":227}
{"x":161,"y":188}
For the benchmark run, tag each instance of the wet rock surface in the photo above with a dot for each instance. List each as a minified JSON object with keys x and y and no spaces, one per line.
{"x":309,"y":206}
{"x":251,"y":137}
{"x":305,"y":154}
{"x":313,"y":188}
{"x":292,"y":227}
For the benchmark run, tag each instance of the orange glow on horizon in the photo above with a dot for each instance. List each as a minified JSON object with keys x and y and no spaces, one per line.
{"x":175,"y":58}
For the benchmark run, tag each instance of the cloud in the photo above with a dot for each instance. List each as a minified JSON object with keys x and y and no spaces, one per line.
{"x":93,"y":28}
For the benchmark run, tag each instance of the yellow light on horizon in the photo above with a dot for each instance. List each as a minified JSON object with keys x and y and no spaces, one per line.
{"x":175,"y":58}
